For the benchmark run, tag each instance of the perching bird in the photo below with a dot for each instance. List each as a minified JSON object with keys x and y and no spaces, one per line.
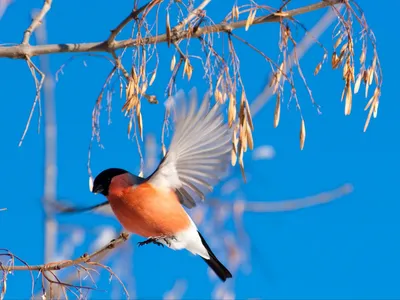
{"x":151,"y":207}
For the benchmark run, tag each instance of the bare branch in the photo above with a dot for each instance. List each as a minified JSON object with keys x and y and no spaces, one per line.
{"x":288,"y":205}
{"x":21,"y":51}
{"x":85,"y":258}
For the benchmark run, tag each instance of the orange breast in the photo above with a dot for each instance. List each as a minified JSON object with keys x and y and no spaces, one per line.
{"x":148,"y":211}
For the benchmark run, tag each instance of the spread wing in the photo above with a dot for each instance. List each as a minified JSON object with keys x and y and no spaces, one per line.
{"x":199,"y":152}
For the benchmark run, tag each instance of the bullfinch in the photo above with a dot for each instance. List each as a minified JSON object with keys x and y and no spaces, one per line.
{"x":152,"y":207}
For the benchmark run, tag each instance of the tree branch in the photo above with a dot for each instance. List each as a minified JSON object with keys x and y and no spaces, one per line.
{"x":288,"y":205}
{"x":85,"y":258}
{"x":22,"y":51}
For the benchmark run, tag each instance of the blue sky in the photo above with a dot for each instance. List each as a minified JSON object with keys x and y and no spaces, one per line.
{"x":346,"y":249}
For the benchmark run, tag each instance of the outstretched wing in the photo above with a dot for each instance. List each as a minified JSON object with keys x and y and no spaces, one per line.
{"x":199,"y":153}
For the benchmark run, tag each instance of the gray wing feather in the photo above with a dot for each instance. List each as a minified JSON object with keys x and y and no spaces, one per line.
{"x":199,"y":152}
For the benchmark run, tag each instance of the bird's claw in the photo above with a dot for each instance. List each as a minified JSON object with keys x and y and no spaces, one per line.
{"x":150,"y":241}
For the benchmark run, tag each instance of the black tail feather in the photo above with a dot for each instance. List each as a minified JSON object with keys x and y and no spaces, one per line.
{"x":219,"y":269}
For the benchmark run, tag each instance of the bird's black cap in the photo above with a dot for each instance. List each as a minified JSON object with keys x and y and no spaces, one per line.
{"x":102,"y":181}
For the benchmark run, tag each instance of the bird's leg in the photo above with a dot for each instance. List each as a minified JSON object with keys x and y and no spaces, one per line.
{"x":168,"y":240}
{"x":150,"y":241}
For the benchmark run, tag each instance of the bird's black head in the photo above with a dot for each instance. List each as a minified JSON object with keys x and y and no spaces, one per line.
{"x":102,"y":181}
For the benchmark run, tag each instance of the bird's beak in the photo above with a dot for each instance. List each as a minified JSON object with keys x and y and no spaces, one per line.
{"x":98,"y":189}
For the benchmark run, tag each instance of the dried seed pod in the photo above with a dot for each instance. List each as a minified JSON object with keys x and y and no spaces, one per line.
{"x":318,"y":68}
{"x":338,"y":42}
{"x":173,"y":62}
{"x":250,"y":19}
{"x":231,"y":110}
{"x":358,"y":83}
{"x":153,"y":77}
{"x":363,"y":55}
{"x":302,"y":134}
{"x":249,"y":136}
{"x":168,"y":30}
{"x":335,"y":60}
{"x":349,"y":99}
{"x":129,"y":127}
{"x":140,"y":125}
{"x":277,"y":112}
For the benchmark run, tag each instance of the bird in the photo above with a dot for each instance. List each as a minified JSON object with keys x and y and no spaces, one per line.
{"x":196,"y":160}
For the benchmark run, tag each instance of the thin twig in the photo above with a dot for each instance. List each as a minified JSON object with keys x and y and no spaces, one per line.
{"x":133,"y":15}
{"x":38,"y":84}
{"x":36,"y":21}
